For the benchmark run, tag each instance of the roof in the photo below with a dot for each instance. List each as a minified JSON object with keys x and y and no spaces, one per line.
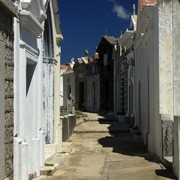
{"x":90,"y":59}
{"x":127,"y":38}
{"x":63,"y":67}
{"x":69,"y":71}
{"x":82,"y":60}
{"x":147,"y":3}
{"x":110,"y":39}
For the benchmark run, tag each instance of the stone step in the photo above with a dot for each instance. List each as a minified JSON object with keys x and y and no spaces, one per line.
{"x":52,"y":163}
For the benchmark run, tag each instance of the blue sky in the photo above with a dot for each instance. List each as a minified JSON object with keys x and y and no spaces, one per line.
{"x":84,"y":22}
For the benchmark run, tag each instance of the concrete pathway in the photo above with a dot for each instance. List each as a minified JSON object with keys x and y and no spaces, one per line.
{"x":103,"y":149}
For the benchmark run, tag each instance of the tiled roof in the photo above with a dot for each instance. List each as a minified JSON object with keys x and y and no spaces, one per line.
{"x":90,"y":59}
{"x":63,"y":67}
{"x":147,"y":3}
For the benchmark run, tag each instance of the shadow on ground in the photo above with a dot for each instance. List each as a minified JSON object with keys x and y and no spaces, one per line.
{"x":123,"y":142}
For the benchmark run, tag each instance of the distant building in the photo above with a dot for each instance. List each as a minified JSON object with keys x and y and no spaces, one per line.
{"x":106,"y":69}
{"x":80,"y":70}
{"x":94,"y":78}
{"x":124,"y":72}
{"x":68,"y":84}
{"x":63,"y":68}
{"x":93,"y":85}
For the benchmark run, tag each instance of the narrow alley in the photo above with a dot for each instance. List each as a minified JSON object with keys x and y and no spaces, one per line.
{"x":104,"y":149}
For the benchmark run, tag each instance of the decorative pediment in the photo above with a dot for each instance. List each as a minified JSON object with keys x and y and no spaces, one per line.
{"x":25,"y":4}
{"x":36,"y":8}
{"x":32,"y":14}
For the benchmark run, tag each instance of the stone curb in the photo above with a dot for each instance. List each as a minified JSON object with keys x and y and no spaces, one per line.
{"x":111,"y":131}
{"x":49,"y":168}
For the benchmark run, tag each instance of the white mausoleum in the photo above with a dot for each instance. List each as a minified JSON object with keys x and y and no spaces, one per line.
{"x":30,"y":120}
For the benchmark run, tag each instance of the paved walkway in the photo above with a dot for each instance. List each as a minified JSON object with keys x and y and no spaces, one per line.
{"x":104,"y":150}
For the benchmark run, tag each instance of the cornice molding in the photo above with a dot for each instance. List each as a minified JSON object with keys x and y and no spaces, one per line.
{"x":28,"y":48}
{"x":28,"y":21}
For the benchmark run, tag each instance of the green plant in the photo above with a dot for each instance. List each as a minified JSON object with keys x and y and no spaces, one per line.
{"x":48,"y":164}
{"x":79,"y":113}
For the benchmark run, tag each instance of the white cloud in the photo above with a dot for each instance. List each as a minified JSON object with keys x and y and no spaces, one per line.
{"x":120,"y":11}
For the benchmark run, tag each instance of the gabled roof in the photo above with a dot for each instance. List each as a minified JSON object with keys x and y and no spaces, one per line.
{"x":127,"y":38}
{"x":110,"y":39}
{"x":67,"y":69}
{"x":105,"y":43}
{"x":82,"y":60}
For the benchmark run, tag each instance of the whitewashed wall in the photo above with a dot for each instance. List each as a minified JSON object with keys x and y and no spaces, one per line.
{"x":28,"y":122}
{"x":153,"y":73}
{"x":48,"y":101}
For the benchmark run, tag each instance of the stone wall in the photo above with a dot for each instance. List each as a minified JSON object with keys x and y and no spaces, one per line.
{"x":6,"y":90}
{"x":69,"y":124}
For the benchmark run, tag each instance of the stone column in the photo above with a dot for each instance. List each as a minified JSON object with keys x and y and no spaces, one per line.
{"x":57,"y":38}
{"x":58,"y":124}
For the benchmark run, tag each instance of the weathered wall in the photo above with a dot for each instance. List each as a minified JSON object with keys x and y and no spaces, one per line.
{"x":146,"y":74}
{"x":165,"y":78}
{"x":48,"y":101}
{"x":69,"y":123}
{"x":7,"y":11}
{"x":29,"y":135}
{"x":176,"y":81}
{"x":165,"y":58}
{"x":176,"y":54}
{"x":2,"y":104}
{"x":154,"y":75}
{"x":57,"y":38}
